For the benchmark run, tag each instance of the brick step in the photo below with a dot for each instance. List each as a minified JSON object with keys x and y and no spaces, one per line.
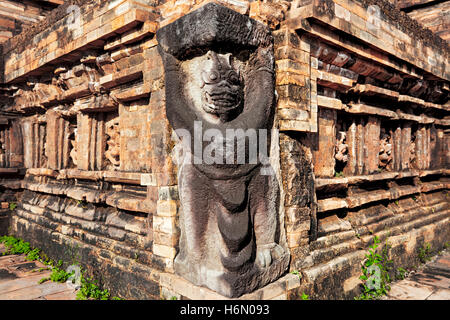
{"x":367,"y":220}
{"x":336,"y":246}
{"x":332,"y":239}
{"x":93,"y":250}
{"x":433,"y":198}
{"x":327,"y":254}
{"x":121,"y":200}
{"x":373,"y":219}
{"x":350,"y":262}
{"x":396,"y":221}
{"x":404,"y":205}
{"x":382,"y":232}
{"x":111,"y":239}
{"x":115,"y":224}
{"x":327,"y":270}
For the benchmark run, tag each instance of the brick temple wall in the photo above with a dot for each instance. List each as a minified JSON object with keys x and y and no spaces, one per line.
{"x":363,"y":149}
{"x":17,"y":15}
{"x":432,"y":14}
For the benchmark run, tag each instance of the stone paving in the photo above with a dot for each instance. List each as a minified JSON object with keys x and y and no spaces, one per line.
{"x":430,"y":282}
{"x":19,"y":281}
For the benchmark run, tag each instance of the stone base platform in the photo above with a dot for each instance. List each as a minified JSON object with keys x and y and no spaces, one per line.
{"x":175,"y":286}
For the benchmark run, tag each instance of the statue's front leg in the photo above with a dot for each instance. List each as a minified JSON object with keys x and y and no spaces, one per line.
{"x":264,"y":201}
{"x":194,"y":196}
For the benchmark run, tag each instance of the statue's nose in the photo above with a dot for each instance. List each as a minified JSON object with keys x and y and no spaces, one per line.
{"x":224,"y":83}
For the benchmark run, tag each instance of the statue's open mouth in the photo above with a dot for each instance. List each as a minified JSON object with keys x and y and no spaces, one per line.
{"x":222,"y":101}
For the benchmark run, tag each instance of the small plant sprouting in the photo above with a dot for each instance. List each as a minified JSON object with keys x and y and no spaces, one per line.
{"x":40,"y":269}
{"x":339,"y":174}
{"x":425,"y":253}
{"x":72,"y":253}
{"x":12,"y":206}
{"x":375,"y":271}
{"x":58,"y":274}
{"x":173,"y":298}
{"x":297,"y":273}
{"x":15,"y":246}
{"x":82,"y":203}
{"x":43,"y":280}
{"x":33,"y":255}
{"x":304,"y":296}
{"x":396,"y":202}
{"x":90,"y":290}
{"x":400,"y":274}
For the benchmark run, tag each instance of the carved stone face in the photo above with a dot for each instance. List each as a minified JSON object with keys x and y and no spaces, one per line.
{"x":221,"y":86}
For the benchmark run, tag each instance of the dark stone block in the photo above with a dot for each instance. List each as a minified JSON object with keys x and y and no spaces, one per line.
{"x":5,"y":220}
{"x":211,"y":26}
{"x":7,"y":275}
{"x":2,"y":65}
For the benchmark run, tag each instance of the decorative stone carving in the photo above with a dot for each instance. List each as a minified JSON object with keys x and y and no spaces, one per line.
{"x":412,"y":150}
{"x":223,"y":103}
{"x":34,"y":94}
{"x":341,"y":148}
{"x":34,"y":142}
{"x":385,"y":154}
{"x":220,"y":72}
{"x":2,"y":149}
{"x":80,"y":74}
{"x":73,"y":144}
{"x":112,"y":153}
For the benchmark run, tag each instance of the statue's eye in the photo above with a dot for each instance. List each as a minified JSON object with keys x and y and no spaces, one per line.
{"x":210,"y":76}
{"x":213,"y":76}
{"x":233,"y":77}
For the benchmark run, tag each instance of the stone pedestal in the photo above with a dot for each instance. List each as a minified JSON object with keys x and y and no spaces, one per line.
{"x":175,"y":286}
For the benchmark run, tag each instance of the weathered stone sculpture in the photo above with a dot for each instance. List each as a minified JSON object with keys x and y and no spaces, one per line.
{"x":341,"y":149}
{"x":112,"y":153}
{"x":220,"y":78}
{"x":385,"y":154}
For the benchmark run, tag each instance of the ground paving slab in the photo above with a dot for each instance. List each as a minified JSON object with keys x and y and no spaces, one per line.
{"x":19,"y":280}
{"x":430,"y":282}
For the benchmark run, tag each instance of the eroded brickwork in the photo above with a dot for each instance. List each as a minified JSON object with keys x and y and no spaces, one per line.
{"x":431,"y":14}
{"x":87,"y":152}
{"x":17,"y":15}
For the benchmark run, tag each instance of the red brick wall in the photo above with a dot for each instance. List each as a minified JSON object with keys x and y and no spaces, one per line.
{"x":15,"y":15}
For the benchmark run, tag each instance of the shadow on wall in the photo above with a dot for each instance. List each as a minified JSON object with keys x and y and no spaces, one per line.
{"x":5,"y":218}
{"x":7,"y":204}
{"x":2,"y":65}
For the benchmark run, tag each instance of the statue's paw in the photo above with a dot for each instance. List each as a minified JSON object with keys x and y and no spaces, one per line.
{"x":267,"y":253}
{"x":263,"y":257}
{"x":277,"y":252}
